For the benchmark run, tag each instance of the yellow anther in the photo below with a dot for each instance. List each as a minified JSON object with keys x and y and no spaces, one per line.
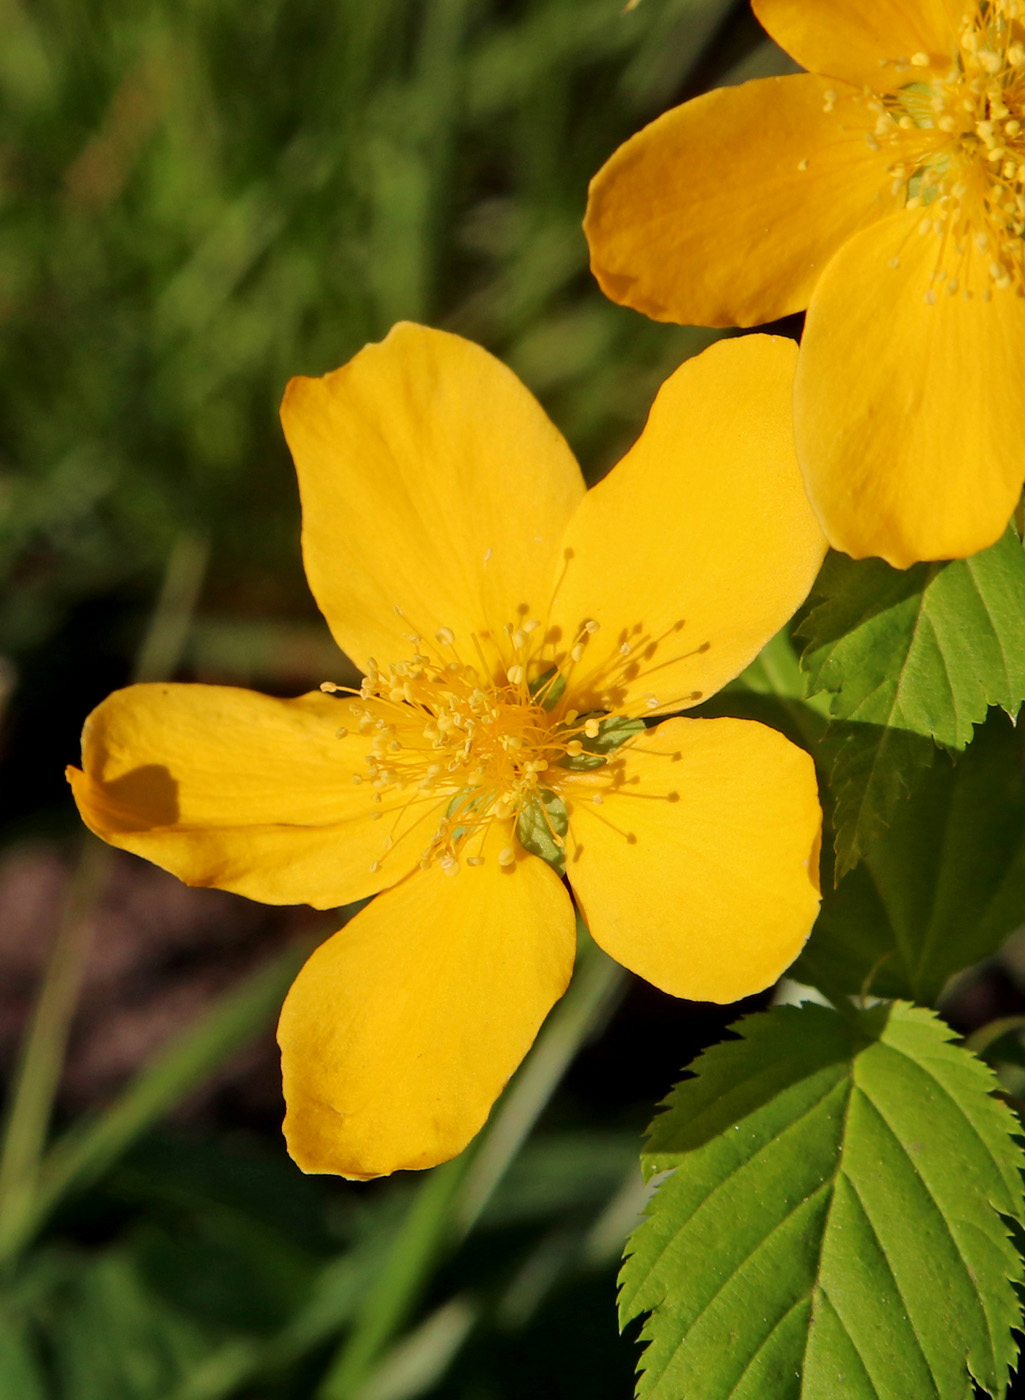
{"x":992,"y":62}
{"x":515,"y":675}
{"x":1016,"y":54}
{"x":920,"y":60}
{"x":445,"y":636}
{"x":591,"y":728}
{"x":506,"y":857}
{"x":475,"y":860}
{"x":651,"y":701}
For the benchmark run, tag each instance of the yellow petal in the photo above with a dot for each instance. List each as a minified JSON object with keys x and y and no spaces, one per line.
{"x":700,"y":869}
{"x":700,"y":544}
{"x":431,"y":481}
{"x":858,"y":40}
{"x":724,"y":211}
{"x":229,"y":788}
{"x":910,"y":423}
{"x":402,"y":1030}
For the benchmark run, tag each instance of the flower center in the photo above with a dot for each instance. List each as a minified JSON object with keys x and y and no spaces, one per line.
{"x":496,"y":748}
{"x":959,"y":148}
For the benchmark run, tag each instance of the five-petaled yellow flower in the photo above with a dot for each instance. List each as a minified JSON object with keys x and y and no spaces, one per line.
{"x":510,"y":625}
{"x":888,"y":197}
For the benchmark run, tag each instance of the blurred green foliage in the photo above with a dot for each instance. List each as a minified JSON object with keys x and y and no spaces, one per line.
{"x":199,"y":199}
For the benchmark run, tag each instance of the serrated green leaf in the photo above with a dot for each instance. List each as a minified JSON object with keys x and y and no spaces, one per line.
{"x":911,"y":659}
{"x":831,"y":1225}
{"x":944,"y":889}
{"x":542,"y":820}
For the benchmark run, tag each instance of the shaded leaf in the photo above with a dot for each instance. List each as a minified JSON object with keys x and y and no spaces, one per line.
{"x":911,"y":659}
{"x":943,"y":890}
{"x":830,"y":1223}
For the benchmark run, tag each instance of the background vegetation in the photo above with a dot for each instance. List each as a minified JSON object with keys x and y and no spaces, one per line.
{"x":199,"y":199}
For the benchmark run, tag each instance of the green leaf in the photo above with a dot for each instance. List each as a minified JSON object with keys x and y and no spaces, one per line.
{"x":911,"y":659}
{"x":117,"y":1340}
{"x":944,"y":889}
{"x":541,"y":827}
{"x":548,"y":688}
{"x":612,"y":732}
{"x":831,"y":1224}
{"x":21,"y":1376}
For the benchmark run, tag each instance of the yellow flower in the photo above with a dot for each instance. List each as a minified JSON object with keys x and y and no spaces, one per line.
{"x":516,"y":621}
{"x":887,"y":197}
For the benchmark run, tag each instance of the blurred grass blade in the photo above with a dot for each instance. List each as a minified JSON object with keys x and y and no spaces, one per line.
{"x":43,"y":1048}
{"x":419,"y":1361}
{"x":422,"y":1239}
{"x":164,"y":643}
{"x":452,"y":1197}
{"x":584,"y":1009}
{"x":90,"y":1148}
{"x":42,"y":1052}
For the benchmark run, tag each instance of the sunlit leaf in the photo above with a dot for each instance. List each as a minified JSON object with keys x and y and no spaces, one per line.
{"x":831,"y":1224}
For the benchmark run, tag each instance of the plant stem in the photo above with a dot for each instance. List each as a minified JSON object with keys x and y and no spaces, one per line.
{"x":42,"y":1052}
{"x":451,"y":1199}
{"x":41,"y":1058}
{"x":90,"y":1148}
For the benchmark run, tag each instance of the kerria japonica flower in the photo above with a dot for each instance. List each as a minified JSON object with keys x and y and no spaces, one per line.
{"x":520,"y":638}
{"x":885,"y":191}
